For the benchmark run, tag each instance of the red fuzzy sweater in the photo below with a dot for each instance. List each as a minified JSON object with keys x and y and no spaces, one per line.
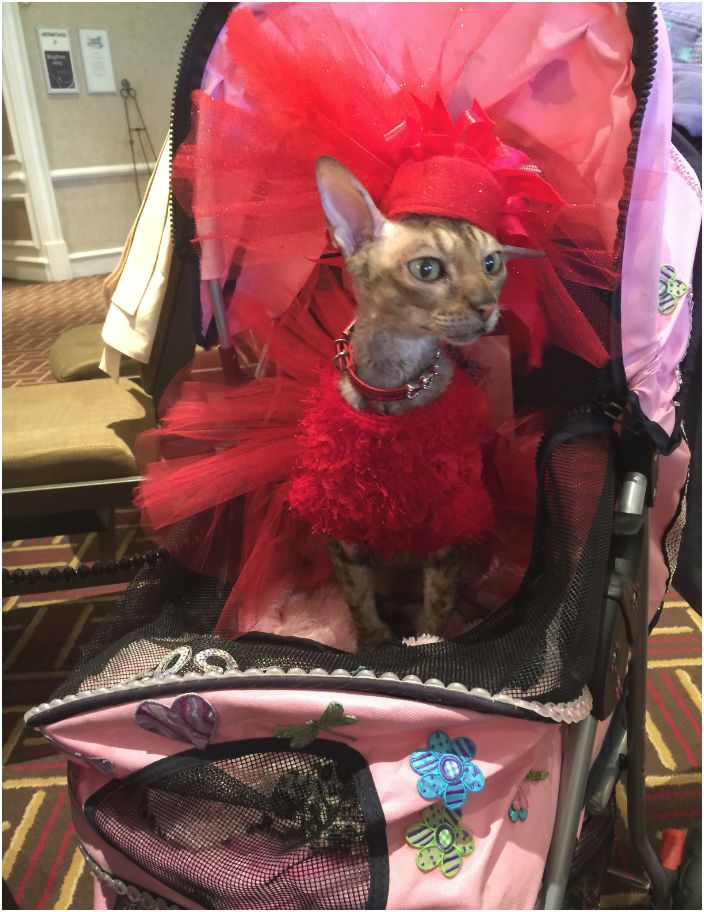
{"x":408,"y":483}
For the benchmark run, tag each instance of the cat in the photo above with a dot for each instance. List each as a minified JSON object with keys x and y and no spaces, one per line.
{"x":418,"y":282}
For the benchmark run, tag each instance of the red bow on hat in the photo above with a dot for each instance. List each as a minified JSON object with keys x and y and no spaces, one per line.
{"x":463,"y":170}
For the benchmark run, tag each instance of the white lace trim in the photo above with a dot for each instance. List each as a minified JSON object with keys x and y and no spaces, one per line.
{"x":572,"y":711}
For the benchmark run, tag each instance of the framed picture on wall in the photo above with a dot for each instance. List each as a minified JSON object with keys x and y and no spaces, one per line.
{"x":97,"y":63}
{"x":55,"y":49}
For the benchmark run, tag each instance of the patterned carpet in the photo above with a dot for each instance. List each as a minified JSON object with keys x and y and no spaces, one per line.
{"x":42,"y":635}
{"x":674,"y":757}
{"x":35,"y":315}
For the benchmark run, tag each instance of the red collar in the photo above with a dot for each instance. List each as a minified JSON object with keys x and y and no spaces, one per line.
{"x":343,"y":362}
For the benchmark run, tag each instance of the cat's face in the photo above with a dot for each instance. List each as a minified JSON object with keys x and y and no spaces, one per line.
{"x":431,"y":276}
{"x":422,"y":275}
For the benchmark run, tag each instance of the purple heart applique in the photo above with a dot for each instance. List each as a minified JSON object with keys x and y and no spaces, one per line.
{"x":189,"y":718}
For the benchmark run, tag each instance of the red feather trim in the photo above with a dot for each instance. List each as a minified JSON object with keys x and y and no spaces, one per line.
{"x":408,"y":483}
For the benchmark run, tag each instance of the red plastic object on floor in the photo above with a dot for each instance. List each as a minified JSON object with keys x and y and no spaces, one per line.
{"x":672,"y":848}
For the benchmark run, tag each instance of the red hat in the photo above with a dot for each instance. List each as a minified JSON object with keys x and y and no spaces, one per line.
{"x":462,"y":170}
{"x":449,"y":187}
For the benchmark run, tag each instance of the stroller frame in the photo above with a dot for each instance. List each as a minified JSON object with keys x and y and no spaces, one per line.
{"x":583,"y":785}
{"x":628,"y":585}
{"x":629,"y":574}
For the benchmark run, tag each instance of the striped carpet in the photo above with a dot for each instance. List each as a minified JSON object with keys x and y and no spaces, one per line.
{"x":35,"y":315}
{"x":42,"y":636}
{"x":674,"y":756}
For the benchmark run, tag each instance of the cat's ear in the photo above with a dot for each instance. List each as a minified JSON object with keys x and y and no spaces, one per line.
{"x":520,"y":253}
{"x":352,"y":216}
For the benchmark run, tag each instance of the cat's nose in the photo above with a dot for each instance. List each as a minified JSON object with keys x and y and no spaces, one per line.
{"x":484,"y":308}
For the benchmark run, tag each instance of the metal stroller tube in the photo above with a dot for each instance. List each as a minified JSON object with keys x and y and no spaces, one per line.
{"x":631,"y":560}
{"x":228,"y":355}
{"x":577,"y":755}
{"x":606,"y":770}
{"x":632,"y":496}
{"x":660,"y":879}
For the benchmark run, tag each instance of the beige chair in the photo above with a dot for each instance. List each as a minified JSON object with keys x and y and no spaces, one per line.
{"x":76,"y":355}
{"x":68,"y":448}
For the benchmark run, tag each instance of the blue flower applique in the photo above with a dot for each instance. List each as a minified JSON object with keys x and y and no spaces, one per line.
{"x":446,"y":770}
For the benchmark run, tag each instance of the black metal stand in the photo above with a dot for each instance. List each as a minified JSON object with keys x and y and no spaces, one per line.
{"x":140,"y":132}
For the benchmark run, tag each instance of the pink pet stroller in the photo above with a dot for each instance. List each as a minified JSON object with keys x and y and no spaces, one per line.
{"x":229,"y":747}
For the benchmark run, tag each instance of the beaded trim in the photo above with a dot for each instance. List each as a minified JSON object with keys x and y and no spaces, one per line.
{"x":136,"y":895}
{"x":97,"y":568}
{"x":573,"y":711}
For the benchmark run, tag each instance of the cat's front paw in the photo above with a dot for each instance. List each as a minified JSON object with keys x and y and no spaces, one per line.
{"x":369,"y":637}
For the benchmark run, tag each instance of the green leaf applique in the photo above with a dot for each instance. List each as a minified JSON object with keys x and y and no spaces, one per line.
{"x":332,"y":717}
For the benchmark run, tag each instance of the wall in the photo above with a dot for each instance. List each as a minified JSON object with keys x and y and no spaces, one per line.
{"x":85,"y":131}
{"x":22,"y":254}
{"x":7,"y":147}
{"x":15,"y":221}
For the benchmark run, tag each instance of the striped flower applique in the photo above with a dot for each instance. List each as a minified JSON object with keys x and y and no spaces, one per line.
{"x":670,"y":289}
{"x":441,"y":840}
{"x":518,"y":809}
{"x":446,"y":770}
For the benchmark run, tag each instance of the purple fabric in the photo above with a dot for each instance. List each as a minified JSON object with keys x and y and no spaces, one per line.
{"x":662,"y":229}
{"x":190,"y":718}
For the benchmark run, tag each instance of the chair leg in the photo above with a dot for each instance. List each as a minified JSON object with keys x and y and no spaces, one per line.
{"x":107,"y":537}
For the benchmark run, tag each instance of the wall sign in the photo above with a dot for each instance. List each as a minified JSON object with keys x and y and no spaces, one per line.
{"x":55,"y":48}
{"x":97,"y":62}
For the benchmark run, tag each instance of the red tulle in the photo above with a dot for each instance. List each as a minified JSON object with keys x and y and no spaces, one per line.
{"x":227,"y":458}
{"x":247,"y":171}
{"x":395,"y":483}
{"x":305,"y":80}
{"x":229,"y":455}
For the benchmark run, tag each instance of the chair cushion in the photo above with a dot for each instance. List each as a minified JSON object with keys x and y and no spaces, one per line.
{"x":68,"y":432}
{"x":76,"y":355}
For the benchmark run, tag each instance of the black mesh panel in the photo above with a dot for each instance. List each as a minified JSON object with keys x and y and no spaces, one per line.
{"x":540,"y":645}
{"x":268,"y":828}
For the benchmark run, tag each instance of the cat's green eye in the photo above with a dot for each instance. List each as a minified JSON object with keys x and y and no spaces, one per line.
{"x":492,"y":263}
{"x":427,"y":269}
